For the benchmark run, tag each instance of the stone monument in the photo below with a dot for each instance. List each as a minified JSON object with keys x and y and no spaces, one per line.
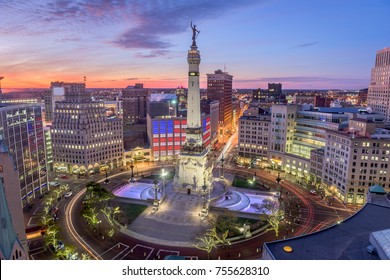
{"x":193,"y":171}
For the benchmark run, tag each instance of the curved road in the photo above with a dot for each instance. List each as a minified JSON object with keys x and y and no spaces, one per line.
{"x":314,"y":215}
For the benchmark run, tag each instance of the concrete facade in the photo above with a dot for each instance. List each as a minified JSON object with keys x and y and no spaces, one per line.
{"x":379,"y":90}
{"x":84,"y":138}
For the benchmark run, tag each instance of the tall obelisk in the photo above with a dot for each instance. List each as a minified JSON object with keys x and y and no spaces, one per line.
{"x":192,"y":172}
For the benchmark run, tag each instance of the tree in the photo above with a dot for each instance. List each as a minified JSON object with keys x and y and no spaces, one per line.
{"x":273,"y":212}
{"x":208,"y":243}
{"x":85,"y":256}
{"x":91,"y":216}
{"x":51,"y":236}
{"x":221,"y":238}
{"x":97,"y":194}
{"x":225,"y":222}
{"x":46,"y":220}
{"x":111,"y":232}
{"x":211,"y":239}
{"x":67,"y":253}
{"x":57,"y":193}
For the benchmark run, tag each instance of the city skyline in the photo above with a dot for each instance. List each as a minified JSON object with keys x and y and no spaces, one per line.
{"x":115,"y":44}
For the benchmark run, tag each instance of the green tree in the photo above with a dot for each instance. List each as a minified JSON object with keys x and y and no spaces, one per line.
{"x":46,"y":220}
{"x":67,"y":253}
{"x":85,"y":256}
{"x":274,"y":214}
{"x":207,"y":243}
{"x":92,"y":216}
{"x":51,"y":236}
{"x":111,"y":232}
{"x":225,"y":222}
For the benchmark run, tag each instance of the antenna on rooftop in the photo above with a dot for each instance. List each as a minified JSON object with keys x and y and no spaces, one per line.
{"x":224,"y":67}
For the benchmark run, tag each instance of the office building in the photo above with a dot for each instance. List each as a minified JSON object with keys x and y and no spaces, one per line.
{"x":21,"y":132}
{"x":83,"y":137}
{"x":219,"y":87}
{"x":379,"y":90}
{"x":294,"y":139}
{"x":355,"y":160}
{"x":134,"y":100}
{"x":167,"y":135}
{"x":272,"y":95}
{"x":253,"y":137}
{"x":56,"y":93}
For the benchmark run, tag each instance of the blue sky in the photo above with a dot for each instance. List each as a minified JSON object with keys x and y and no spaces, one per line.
{"x":302,"y":44}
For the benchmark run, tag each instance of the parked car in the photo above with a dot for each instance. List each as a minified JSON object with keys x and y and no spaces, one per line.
{"x":58,"y":246}
{"x":313,"y":192}
{"x":54,"y":184}
{"x":68,"y":194}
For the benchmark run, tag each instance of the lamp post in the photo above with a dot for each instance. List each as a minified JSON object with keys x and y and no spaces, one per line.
{"x":221,"y":169}
{"x":100,"y":232}
{"x":163,"y":174}
{"x":106,"y":181}
{"x":155,"y":182}
{"x":132,"y":170}
{"x":278,"y":179}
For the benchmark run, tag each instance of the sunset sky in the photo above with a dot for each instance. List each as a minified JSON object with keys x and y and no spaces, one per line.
{"x":309,"y":44}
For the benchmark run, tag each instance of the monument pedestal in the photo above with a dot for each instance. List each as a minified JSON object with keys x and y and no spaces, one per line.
{"x":192,"y":173}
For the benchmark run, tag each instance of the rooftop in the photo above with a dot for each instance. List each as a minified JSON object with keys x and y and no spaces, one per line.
{"x":345,"y":241}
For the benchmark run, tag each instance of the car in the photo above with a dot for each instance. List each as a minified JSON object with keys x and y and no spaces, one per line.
{"x":54,"y":184}
{"x":313,"y":192}
{"x":59,"y":245}
{"x":68,"y":194}
{"x":54,"y":209}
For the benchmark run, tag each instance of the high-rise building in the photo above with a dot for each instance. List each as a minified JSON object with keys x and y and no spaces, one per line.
{"x":253,"y":137}
{"x":84,"y":138}
{"x":219,"y":87}
{"x":356,"y":159}
{"x":379,"y":90}
{"x":134,"y":100}
{"x":56,"y":93}
{"x":295,"y":133}
{"x":21,"y":132}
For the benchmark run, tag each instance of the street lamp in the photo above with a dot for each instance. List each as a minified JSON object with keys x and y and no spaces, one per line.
{"x":106,"y":181}
{"x":163,"y":174}
{"x":155,"y":182}
{"x":221,"y":169}
{"x":278,"y":179}
{"x":132,"y":170}
{"x":100,"y":232}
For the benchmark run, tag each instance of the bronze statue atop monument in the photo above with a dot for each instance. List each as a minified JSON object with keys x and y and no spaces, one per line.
{"x":195,"y":34}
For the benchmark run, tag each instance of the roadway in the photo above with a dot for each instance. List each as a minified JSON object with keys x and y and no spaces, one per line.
{"x":304,"y":213}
